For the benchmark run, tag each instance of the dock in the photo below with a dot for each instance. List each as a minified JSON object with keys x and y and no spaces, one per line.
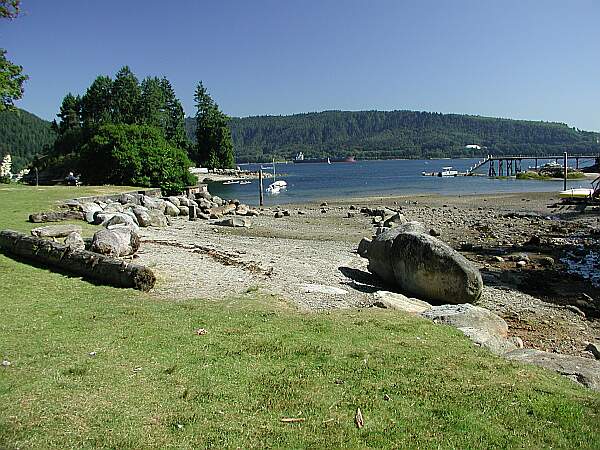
{"x":511,"y":165}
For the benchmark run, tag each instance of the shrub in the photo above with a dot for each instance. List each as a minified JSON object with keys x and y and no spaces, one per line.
{"x":139,"y":155}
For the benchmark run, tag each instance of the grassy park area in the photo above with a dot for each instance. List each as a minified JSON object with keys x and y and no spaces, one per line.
{"x":94,"y":366}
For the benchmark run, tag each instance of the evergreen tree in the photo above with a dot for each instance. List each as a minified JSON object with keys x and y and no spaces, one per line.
{"x":70,"y":113}
{"x":175,"y":117}
{"x":214,"y":148}
{"x":96,"y":103}
{"x":153,"y":103}
{"x":126,"y":96}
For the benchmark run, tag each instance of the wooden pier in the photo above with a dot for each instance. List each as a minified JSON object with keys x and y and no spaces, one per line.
{"x":499,"y":166}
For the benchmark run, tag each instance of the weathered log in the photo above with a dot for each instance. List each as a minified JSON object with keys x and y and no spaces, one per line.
{"x":56,"y":216}
{"x":55,"y":231}
{"x":105,"y":269}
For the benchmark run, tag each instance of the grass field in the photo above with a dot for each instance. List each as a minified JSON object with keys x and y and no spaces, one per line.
{"x":94,"y":366}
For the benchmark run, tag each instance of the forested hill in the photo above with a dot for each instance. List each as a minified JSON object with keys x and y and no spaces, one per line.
{"x":23,"y":135}
{"x":398,"y":134}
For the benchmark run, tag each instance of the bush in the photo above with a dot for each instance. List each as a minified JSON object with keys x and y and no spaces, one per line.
{"x":137,"y":155}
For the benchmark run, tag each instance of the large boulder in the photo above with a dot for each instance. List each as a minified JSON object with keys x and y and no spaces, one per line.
{"x":121,"y":219}
{"x":157,"y":219}
{"x":131,"y":199}
{"x":113,"y":207}
{"x":581,"y":370}
{"x":55,"y":231}
{"x":424,"y":266}
{"x":75,"y":242}
{"x":119,"y":241}
{"x":153,"y":203}
{"x":173,"y":199}
{"x":171,"y":209}
{"x":89,"y":210}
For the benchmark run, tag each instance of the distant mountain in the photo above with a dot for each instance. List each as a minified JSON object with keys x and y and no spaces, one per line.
{"x":398,"y":134}
{"x":23,"y":135}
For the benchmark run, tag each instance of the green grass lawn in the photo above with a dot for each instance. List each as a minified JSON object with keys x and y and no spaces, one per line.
{"x":154,"y":382}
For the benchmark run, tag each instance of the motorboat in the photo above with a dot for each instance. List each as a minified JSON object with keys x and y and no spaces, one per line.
{"x":276,"y":187}
{"x":448,"y":172}
{"x":231,"y":182}
{"x":245,"y":182}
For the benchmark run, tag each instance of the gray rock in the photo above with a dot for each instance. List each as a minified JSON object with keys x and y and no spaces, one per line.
{"x":90,"y":209}
{"x":394,"y":220}
{"x":237,"y":222}
{"x":55,"y":231}
{"x":153,"y":203}
{"x":584,"y":371}
{"x":253,"y":212}
{"x":171,"y":209}
{"x":423,"y":265}
{"x":203,"y":216}
{"x":363,"y":247}
{"x":494,"y":343}
{"x":218,"y":200}
{"x":184,"y":210}
{"x":594,"y":349}
{"x":278,"y":214}
{"x":241,"y":210}
{"x":113,"y":208}
{"x":134,"y":199}
{"x":120,"y":241}
{"x":184,"y":201}
{"x":101,"y":217}
{"x":174,"y":200}
{"x":142,"y":216}
{"x":121,"y":219}
{"x":205,"y":195}
{"x":157,"y":219}
{"x":75,"y":242}
{"x":393,"y":300}
{"x":468,"y":316}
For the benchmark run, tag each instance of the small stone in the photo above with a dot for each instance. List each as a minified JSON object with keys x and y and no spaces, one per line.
{"x":350,"y":215}
{"x":520,"y":264}
{"x":92,"y":353}
{"x":278,"y":215}
{"x":434,"y":232}
{"x":324,"y":204}
{"x":594,"y":349}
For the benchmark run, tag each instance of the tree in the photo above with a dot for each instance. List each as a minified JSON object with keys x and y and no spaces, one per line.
{"x":175,"y":117}
{"x":9,"y":9}
{"x":214,"y":148}
{"x":96,"y":104}
{"x":11,"y":75}
{"x":70,"y":113}
{"x":136,"y":155}
{"x":126,"y":95}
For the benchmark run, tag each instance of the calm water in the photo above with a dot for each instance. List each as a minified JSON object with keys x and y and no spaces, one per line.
{"x":316,"y":182}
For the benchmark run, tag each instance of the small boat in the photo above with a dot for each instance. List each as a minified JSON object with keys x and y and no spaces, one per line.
{"x":448,"y":172}
{"x":576,"y":193}
{"x":276,"y":186}
{"x":245,"y":182}
{"x":232,"y":182}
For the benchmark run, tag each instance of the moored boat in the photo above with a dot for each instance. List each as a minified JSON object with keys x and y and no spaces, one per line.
{"x":448,"y":172}
{"x":576,"y":193}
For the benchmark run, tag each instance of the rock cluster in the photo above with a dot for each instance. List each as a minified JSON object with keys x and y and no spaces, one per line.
{"x":207,"y":206}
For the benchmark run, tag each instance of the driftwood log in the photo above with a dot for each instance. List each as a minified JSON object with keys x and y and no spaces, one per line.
{"x":105,"y":269}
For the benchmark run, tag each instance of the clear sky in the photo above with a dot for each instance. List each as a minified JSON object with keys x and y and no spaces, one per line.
{"x":529,"y":59}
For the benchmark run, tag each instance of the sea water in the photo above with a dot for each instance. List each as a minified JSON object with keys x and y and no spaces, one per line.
{"x":314,"y":182}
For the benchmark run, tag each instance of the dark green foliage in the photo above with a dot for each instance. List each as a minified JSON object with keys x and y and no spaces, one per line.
{"x":134,"y":154}
{"x":126,"y":97}
{"x":174,"y":126}
{"x":23,"y":135}
{"x":70,"y":113}
{"x":96,"y":104}
{"x":214,"y":146}
{"x":11,"y":82}
{"x":398,"y":134}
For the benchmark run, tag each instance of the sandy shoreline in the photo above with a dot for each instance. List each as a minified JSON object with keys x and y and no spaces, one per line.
{"x":309,"y":258}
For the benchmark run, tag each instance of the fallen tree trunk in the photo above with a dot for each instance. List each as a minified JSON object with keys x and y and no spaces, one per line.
{"x":105,"y":269}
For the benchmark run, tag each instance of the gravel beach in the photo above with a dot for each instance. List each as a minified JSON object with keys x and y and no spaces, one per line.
{"x":523,"y":244}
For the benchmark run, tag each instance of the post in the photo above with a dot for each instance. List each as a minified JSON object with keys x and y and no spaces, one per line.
{"x":37,"y":180}
{"x":565,"y":180}
{"x":260,"y":187}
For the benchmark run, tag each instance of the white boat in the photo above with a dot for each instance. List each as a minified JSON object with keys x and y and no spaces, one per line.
{"x":276,"y":186}
{"x":576,"y":193}
{"x":448,"y":172}
{"x":232,"y":182}
{"x":245,"y":182}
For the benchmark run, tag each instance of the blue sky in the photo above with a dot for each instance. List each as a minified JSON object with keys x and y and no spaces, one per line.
{"x":529,"y":59}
